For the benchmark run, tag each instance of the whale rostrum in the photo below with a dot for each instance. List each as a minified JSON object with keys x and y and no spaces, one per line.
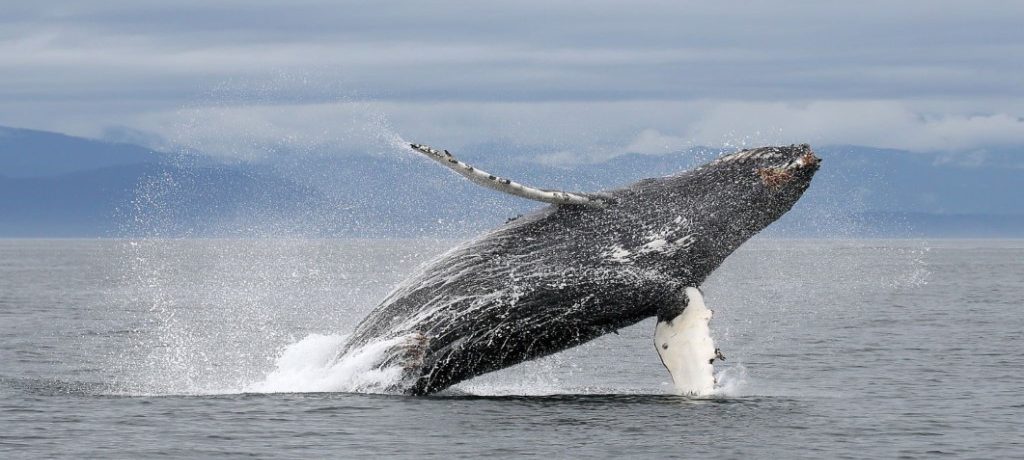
{"x":586,"y":265}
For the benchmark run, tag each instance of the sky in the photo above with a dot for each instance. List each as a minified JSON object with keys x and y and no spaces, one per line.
{"x":587,"y":80}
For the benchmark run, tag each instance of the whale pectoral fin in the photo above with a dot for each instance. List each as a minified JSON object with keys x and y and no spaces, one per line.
{"x":509,"y":186}
{"x":683,"y":340}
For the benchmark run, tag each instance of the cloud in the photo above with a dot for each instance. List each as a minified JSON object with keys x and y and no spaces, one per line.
{"x":520,"y":51}
{"x":590,"y":130}
{"x":889,"y":124}
{"x":653,"y":142}
{"x":648,"y":77}
{"x":569,"y":132}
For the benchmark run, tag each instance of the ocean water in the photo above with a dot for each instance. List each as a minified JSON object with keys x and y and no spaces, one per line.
{"x":195,"y":348}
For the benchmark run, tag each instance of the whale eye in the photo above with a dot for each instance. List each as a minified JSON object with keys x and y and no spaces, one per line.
{"x":664,"y":346}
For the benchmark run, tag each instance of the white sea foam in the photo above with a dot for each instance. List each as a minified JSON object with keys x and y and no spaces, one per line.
{"x":311,"y":365}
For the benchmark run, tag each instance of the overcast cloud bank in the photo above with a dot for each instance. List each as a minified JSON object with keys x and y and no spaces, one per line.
{"x":239,"y":78}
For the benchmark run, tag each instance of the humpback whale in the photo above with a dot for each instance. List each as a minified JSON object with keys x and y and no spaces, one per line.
{"x":586,"y":265}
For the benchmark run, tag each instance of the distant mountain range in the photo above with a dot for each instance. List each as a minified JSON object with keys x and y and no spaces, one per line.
{"x":53,"y":185}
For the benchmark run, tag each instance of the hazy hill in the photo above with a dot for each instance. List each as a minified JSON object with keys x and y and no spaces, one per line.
{"x":29,"y":153}
{"x":57,"y":185}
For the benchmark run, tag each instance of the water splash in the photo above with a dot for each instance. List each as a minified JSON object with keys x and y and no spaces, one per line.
{"x":311,"y":365}
{"x":731,"y":381}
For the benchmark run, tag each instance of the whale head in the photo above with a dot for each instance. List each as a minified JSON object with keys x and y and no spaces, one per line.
{"x":707,"y":212}
{"x":757,"y":186}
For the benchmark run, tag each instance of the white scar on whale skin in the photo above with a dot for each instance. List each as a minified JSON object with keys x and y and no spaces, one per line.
{"x":686,"y":348}
{"x":673,"y":237}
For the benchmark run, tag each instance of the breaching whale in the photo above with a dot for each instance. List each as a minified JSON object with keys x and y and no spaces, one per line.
{"x":584,"y":266}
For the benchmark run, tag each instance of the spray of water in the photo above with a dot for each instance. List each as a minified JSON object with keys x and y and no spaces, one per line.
{"x":312,"y":365}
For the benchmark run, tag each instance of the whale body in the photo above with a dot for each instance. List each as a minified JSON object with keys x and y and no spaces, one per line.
{"x":582,"y":267}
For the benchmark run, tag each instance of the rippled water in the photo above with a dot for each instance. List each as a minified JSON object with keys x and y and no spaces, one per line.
{"x":835,"y":349}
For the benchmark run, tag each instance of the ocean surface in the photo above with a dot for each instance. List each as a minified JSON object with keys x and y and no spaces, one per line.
{"x":196,"y":348}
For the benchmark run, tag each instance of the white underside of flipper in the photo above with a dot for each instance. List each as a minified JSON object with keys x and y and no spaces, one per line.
{"x":686,"y":348}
